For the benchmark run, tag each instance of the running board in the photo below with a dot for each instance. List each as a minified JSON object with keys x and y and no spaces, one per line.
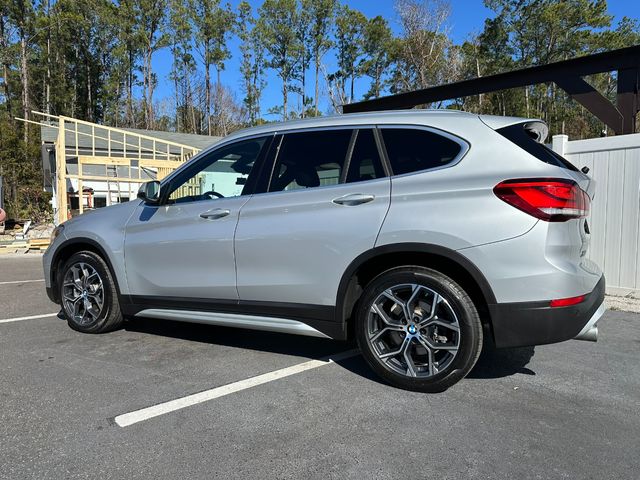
{"x":252,"y":322}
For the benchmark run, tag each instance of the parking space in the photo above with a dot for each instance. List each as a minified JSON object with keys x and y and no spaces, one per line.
{"x":559,"y":411}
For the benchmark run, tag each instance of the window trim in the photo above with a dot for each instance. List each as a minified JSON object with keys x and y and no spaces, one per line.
{"x":347,"y":161}
{"x":465,"y":146}
{"x":193,"y":166}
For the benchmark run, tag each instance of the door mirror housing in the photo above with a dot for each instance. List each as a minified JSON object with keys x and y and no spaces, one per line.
{"x":150,"y":192}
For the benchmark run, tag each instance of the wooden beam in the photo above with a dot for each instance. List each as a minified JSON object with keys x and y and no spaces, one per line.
{"x":627,"y":97}
{"x":566,"y":74}
{"x":90,"y":160}
{"x":61,"y":174}
{"x":592,"y":100}
{"x":100,"y":178}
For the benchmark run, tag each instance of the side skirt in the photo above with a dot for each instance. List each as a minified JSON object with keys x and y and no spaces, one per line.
{"x":296,"y":318}
{"x":269,"y":324}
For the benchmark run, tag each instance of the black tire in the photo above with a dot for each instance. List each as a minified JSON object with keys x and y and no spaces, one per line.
{"x":468,"y":338}
{"x":110,"y":316}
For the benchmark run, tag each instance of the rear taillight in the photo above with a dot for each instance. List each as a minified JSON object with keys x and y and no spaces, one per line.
{"x":549,"y":199}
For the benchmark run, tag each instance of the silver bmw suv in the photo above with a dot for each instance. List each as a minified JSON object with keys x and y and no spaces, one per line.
{"x":414,"y":232}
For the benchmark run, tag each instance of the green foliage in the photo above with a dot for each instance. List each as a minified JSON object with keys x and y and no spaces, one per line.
{"x":252,"y":60}
{"x":278,"y":23}
{"x":350,"y":27}
{"x":376,"y":48}
{"x":24,"y":197}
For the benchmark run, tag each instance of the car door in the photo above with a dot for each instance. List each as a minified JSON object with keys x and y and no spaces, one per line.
{"x":327,"y":199}
{"x":183,"y":249}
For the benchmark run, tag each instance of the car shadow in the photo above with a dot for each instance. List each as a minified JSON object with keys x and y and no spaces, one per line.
{"x":493,"y":363}
{"x":502,"y":362}
{"x":271,"y":342}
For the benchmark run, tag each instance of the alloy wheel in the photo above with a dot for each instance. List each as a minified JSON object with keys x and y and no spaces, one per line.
{"x":413,"y":330}
{"x":83,"y":293}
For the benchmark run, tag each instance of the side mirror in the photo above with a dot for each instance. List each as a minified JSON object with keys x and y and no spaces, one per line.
{"x":150,"y":192}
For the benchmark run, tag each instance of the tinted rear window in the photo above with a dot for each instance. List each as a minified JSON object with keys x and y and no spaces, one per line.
{"x":412,"y":150}
{"x":519,"y":135}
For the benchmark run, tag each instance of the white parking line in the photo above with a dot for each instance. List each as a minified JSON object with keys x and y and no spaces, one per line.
{"x":22,"y":281}
{"x":32,"y":317}
{"x":171,"y":406}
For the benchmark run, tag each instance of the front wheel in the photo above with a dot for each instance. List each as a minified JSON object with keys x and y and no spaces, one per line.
{"x":418,"y":329}
{"x":88,"y":294}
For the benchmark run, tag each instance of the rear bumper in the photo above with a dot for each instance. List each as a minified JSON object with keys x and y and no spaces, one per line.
{"x":535,"y":323}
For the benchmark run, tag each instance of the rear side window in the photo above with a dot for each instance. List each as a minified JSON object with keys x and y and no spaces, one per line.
{"x":310,"y":159}
{"x":526,"y":139}
{"x":412,"y":150}
{"x":365,"y":163}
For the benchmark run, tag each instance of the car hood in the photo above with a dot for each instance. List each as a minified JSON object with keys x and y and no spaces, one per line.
{"x":114,"y":215}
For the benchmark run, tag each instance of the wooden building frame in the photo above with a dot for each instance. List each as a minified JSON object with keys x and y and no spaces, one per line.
{"x":127,"y":154}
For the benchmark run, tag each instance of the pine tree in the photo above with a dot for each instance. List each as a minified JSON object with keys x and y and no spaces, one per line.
{"x":278,"y":20}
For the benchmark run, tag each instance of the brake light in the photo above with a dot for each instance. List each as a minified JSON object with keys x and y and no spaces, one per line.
{"x":549,"y":199}
{"x":566,"y":302}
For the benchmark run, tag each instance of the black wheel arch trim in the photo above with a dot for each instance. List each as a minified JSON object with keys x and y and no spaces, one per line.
{"x":408,"y":248}
{"x":80,"y":241}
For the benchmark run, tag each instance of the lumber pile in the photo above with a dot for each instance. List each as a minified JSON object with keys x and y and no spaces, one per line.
{"x":24,"y":246}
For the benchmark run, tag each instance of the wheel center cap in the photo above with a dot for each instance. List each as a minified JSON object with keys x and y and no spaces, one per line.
{"x":84,"y":294}
{"x":412,"y":329}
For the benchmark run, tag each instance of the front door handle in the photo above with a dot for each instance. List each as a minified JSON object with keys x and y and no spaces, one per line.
{"x":353,"y":199}
{"x":215,"y":214}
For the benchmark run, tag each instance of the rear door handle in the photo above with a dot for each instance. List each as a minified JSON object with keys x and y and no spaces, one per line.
{"x":215,"y":214}
{"x":353,"y":199}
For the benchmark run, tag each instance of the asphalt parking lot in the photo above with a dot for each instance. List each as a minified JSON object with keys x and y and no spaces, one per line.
{"x":559,"y":411}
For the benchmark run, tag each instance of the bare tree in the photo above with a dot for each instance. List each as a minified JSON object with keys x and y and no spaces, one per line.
{"x":233,"y":115}
{"x":423,"y":50}
{"x":335,"y":89}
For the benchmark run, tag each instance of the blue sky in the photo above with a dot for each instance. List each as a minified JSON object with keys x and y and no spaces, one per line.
{"x":467,"y":18}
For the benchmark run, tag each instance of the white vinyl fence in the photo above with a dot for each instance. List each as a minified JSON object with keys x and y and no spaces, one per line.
{"x":614,"y":164}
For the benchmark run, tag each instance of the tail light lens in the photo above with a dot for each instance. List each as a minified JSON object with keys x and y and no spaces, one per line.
{"x":549,"y":199}
{"x":567,"y":302}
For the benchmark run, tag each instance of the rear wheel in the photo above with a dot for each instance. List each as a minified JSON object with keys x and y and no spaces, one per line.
{"x":88,"y":294}
{"x":418,"y":329}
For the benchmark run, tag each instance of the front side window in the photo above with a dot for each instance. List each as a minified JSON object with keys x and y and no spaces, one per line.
{"x":222,"y":174}
{"x":412,"y":150}
{"x":310,"y":159}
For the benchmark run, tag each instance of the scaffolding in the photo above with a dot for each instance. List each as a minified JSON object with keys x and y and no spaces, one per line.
{"x":87,"y":152}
